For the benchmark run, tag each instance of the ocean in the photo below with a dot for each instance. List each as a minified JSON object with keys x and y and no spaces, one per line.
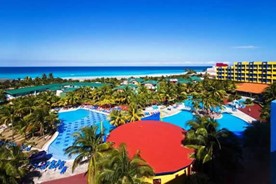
{"x":86,"y":72}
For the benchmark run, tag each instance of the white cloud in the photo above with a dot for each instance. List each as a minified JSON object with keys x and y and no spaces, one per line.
{"x":245,"y":47}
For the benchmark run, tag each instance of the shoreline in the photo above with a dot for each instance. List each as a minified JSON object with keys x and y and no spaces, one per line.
{"x":82,"y":78}
{"x":127,"y":76}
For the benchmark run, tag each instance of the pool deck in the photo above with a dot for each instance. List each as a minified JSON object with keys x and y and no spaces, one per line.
{"x":253,"y":111}
{"x":238,"y":113}
{"x":54,"y":174}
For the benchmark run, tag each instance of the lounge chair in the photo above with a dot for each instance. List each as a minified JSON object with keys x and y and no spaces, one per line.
{"x":52,"y":165}
{"x":58,"y":163}
{"x":63,"y":170}
{"x":61,"y":165}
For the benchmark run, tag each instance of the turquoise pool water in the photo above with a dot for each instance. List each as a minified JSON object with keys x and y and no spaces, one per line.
{"x":227,"y":121}
{"x":73,"y":121}
{"x":189,"y":103}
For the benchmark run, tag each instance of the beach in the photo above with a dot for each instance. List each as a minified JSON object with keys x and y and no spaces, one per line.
{"x":83,"y":73}
{"x":127,"y":76}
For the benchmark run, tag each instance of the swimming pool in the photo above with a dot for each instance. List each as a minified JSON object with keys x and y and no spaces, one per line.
{"x":189,"y":103}
{"x":228,"y":121}
{"x":71,"y":122}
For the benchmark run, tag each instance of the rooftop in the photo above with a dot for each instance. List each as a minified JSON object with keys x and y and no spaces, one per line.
{"x":153,"y":82}
{"x":52,"y":87}
{"x":251,"y":87}
{"x":28,"y":90}
{"x":159,"y":144}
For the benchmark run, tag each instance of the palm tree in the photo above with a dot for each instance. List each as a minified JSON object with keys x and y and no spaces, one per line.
{"x":270,"y":93}
{"x":71,"y":99}
{"x":89,"y":148}
{"x":118,"y":168}
{"x":134,"y":113}
{"x":268,"y":96}
{"x":13,"y":164}
{"x":42,"y":119}
{"x":212,"y":146}
{"x":117,"y":118}
{"x":2,"y":96}
{"x":203,"y":137}
{"x":8,"y":116}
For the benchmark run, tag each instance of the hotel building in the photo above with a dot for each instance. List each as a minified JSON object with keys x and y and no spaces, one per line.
{"x":255,"y":72}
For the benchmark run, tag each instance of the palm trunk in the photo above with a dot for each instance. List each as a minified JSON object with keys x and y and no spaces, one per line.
{"x":41,"y":131}
{"x":12,"y":132}
{"x":91,"y":171}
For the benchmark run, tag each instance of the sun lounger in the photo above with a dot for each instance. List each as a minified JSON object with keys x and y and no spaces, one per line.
{"x":52,"y":165}
{"x":61,"y":165}
{"x":58,"y":163}
{"x":63,"y":170}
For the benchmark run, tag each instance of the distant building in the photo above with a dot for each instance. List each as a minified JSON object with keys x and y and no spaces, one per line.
{"x":150,"y":84}
{"x":212,"y":71}
{"x":251,"y":89}
{"x":60,"y":89}
{"x":123,"y":87}
{"x":133,"y":80}
{"x":254,"y":72}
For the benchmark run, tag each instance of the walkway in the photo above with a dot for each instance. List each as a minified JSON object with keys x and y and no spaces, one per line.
{"x":253,"y":111}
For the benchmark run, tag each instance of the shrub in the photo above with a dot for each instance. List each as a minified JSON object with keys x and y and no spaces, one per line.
{"x":248,"y":101}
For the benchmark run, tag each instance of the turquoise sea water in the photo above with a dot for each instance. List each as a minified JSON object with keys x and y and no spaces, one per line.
{"x":66,"y":72}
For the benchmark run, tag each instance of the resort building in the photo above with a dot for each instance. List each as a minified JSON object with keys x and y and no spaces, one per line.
{"x":132,"y":80}
{"x":59,"y":89}
{"x":164,"y":152}
{"x":251,"y":89}
{"x":254,"y":72}
{"x":150,"y":84}
{"x":123,"y":87}
{"x":184,"y":80}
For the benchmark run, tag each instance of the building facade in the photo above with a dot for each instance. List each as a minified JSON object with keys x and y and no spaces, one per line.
{"x":255,"y":72}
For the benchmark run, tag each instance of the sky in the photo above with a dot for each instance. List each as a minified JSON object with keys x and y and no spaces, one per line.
{"x":135,"y":32}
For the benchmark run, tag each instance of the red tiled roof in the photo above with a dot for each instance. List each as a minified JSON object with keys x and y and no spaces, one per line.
{"x":251,"y":87}
{"x":253,"y":111}
{"x":221,"y":64}
{"x":159,"y":144}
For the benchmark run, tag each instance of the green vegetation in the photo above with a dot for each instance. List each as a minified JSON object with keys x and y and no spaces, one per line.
{"x":248,"y":101}
{"x":268,"y":96}
{"x":118,"y":168}
{"x":106,"y":164}
{"x":31,"y":115}
{"x":217,"y":152}
{"x":89,"y":148}
{"x":14,"y":164}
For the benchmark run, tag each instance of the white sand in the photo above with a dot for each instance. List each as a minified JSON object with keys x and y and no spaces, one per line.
{"x":126,"y":76}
